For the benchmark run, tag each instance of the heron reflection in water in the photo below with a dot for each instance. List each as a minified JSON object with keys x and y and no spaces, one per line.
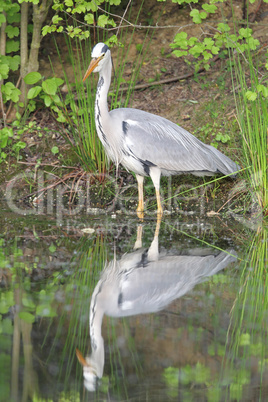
{"x":144,"y":281}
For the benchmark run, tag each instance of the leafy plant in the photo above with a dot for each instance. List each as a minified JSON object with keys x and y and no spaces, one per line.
{"x":252,"y":115}
{"x":15,"y":52}
{"x":201,"y":52}
{"x":77,"y":108}
{"x":10,"y":142}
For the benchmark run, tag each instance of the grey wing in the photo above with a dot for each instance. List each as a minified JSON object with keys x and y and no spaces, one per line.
{"x":157,"y":140}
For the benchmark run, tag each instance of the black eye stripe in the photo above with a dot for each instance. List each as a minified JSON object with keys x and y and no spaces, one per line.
{"x":104,"y":49}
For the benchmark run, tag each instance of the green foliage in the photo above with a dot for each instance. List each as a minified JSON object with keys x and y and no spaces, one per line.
{"x":222,"y":137}
{"x":10,"y":143}
{"x":46,"y":92}
{"x":55,"y":150}
{"x":85,"y":11}
{"x":214,"y":132}
{"x":10,"y":138}
{"x":10,"y":92}
{"x":9,"y":14}
{"x":199,"y":51}
{"x":251,"y":105}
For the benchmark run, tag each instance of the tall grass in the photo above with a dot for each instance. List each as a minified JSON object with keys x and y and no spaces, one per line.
{"x":78,"y":106}
{"x":78,"y":110}
{"x":247,"y":341}
{"x":249,"y":75}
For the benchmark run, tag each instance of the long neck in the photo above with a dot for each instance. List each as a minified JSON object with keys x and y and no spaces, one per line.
{"x":102,"y":117}
{"x":101,"y":105}
{"x":96,"y":339}
{"x":103,"y":121}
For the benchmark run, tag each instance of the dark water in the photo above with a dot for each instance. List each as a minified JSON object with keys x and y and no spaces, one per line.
{"x":178,"y":310}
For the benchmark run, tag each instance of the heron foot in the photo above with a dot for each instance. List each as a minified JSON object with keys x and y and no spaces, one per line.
{"x":159,"y":212}
{"x":140,"y":214}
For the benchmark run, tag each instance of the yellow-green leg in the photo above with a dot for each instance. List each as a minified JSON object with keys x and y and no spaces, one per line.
{"x":140,"y":209}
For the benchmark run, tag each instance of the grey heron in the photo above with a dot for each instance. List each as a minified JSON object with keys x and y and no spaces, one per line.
{"x":141,"y":282}
{"x":147,"y":144}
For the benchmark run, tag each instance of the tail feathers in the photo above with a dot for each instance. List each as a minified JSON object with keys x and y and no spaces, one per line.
{"x":222,"y":163}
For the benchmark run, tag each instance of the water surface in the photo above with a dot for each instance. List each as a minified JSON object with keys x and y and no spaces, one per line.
{"x":178,"y":310}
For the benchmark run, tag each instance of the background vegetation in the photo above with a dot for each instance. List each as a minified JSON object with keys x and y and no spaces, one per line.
{"x":25,"y":91}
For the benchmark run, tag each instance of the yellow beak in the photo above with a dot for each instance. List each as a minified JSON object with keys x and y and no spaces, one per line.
{"x":80,"y":358}
{"x":91,"y":67}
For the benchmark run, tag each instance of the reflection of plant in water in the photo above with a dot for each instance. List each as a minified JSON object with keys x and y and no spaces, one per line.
{"x":246,"y":344}
{"x":24,"y":301}
{"x":19,"y":299}
{"x":78,"y":289}
{"x":198,"y":375}
{"x":247,"y":331}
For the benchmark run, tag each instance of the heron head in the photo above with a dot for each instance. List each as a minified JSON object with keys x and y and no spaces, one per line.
{"x":90,"y":373}
{"x":100,"y":54}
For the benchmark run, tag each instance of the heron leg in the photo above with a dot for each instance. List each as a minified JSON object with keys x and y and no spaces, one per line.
{"x":138,"y":243}
{"x":155,"y":174}
{"x":140,"y":209}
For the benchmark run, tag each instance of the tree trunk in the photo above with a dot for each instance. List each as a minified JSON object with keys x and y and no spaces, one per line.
{"x":23,"y":51}
{"x":2,"y":52}
{"x":31,"y":63}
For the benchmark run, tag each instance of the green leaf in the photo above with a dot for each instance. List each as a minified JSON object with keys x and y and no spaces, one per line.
{"x":253,"y":43}
{"x":223,"y":27}
{"x":245,"y":32}
{"x":18,"y":146}
{"x":215,"y":50}
{"x":27,"y":317}
{"x":61,"y":118}
{"x":180,"y":53}
{"x":15,"y":95}
{"x":197,"y":16}
{"x":263,"y":89}
{"x":50,"y":86}
{"x":89,"y":19}
{"x":14,"y":16}
{"x":12,"y":46}
{"x":56,"y":19}
{"x":244,"y":339}
{"x":252,"y":96}
{"x":34,"y":92}
{"x":14,"y":62}
{"x":48,"y":100}
{"x":7,"y":327}
{"x":103,"y":20}
{"x":80,"y":9}
{"x":58,"y":81}
{"x":4,"y":69}
{"x":45,"y":310}
{"x":207,"y":55}
{"x":11,"y":92}
{"x":210,"y":8}
{"x":52,"y":248}
{"x":56,"y":100}
{"x":2,"y":19}
{"x":32,"y":78}
{"x":54,"y":150}
{"x":3,"y":306}
{"x":7,"y":88}
{"x":12,"y":31}
{"x":208,"y":42}
{"x":180,"y":40}
{"x":28,"y":302}
{"x":46,"y":29}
